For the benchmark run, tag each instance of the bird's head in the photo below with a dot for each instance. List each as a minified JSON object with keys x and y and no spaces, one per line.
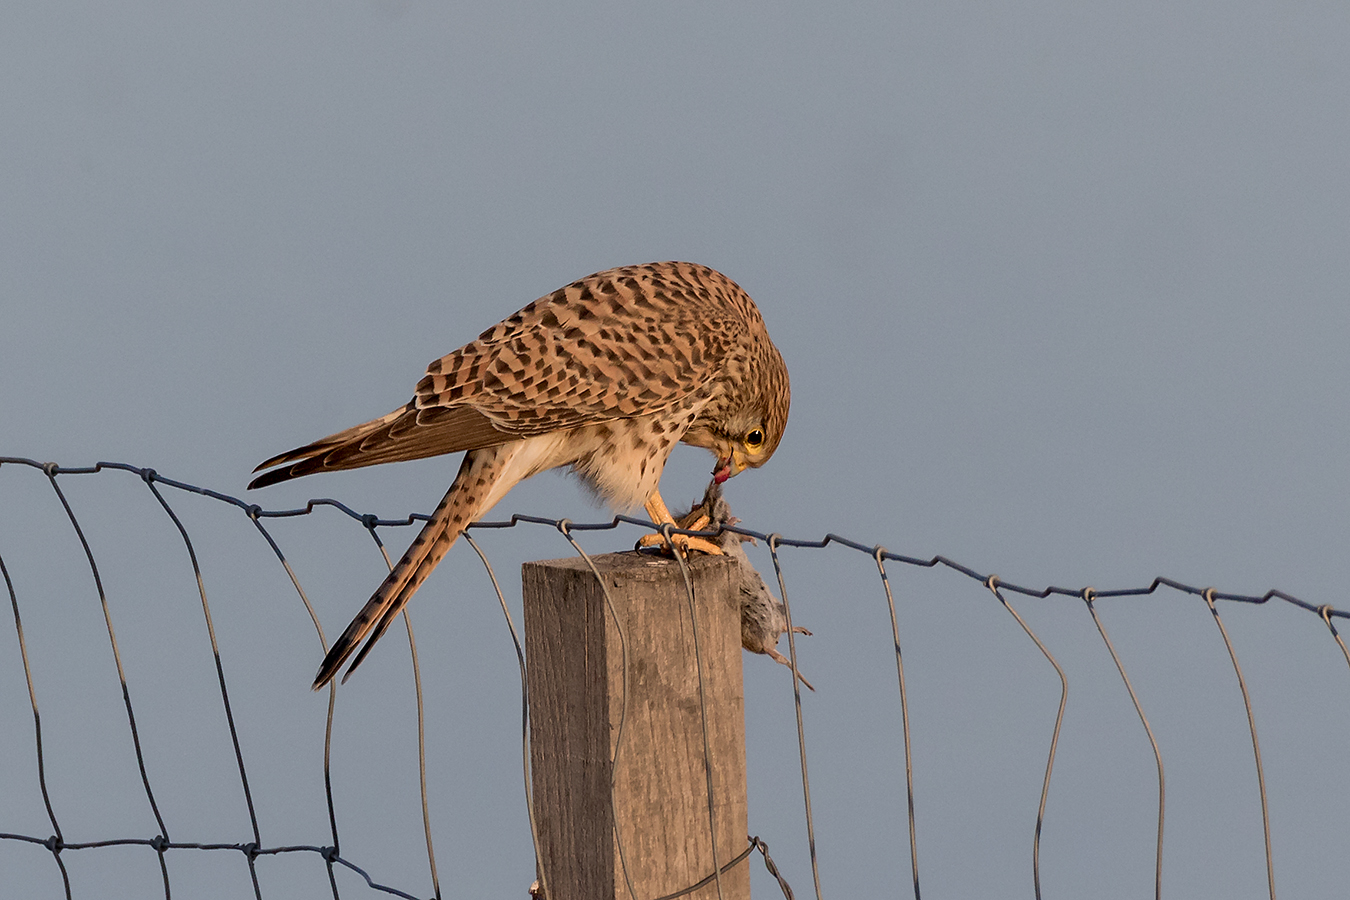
{"x":749,"y":435}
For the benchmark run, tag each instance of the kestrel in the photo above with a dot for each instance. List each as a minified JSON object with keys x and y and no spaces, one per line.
{"x":604,"y":376}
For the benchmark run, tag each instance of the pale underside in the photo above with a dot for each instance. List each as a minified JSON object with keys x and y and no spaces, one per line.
{"x":619,"y":461}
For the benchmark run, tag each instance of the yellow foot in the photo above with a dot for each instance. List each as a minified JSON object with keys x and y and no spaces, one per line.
{"x":697,"y":520}
{"x":685,"y":542}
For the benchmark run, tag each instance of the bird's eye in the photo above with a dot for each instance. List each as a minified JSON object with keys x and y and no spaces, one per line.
{"x":754,"y":438}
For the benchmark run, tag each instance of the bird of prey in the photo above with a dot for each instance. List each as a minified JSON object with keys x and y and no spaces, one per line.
{"x":603,"y":376}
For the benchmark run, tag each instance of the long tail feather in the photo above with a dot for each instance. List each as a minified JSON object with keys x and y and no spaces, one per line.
{"x":484,"y":477}
{"x":439,"y":546}
{"x":391,"y":596}
{"x":461,"y":505}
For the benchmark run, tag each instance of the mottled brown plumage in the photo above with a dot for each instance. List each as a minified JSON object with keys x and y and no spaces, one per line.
{"x":604,"y":375}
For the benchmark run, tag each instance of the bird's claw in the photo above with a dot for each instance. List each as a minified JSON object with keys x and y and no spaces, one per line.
{"x":685,"y":542}
{"x":696,"y":520}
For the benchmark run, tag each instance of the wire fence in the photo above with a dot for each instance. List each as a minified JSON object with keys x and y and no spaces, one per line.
{"x":330,"y":852}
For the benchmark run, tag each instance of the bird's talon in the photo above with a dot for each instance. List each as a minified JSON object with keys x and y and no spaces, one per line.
{"x":686,"y":542}
{"x":697,"y":520}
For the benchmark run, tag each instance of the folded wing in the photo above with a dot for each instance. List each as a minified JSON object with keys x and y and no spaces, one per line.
{"x":407,"y":433}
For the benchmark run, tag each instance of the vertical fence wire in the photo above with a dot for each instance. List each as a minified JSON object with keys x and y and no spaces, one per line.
{"x":1208,"y":595}
{"x":422,"y":755}
{"x":773,"y":540}
{"x":565,"y":526}
{"x":702,"y":703}
{"x":56,"y":840}
{"x":421,"y":721}
{"x":992,"y":583}
{"x":879,"y":555}
{"x":57,"y":844}
{"x":1325,"y":613}
{"x":253,"y":513}
{"x":524,"y":715}
{"x":51,"y":471}
{"x":215,"y":654}
{"x":1088,"y":596}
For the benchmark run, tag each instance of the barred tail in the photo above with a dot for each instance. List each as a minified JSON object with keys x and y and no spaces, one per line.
{"x":427,"y":550}
{"x":485,"y":475}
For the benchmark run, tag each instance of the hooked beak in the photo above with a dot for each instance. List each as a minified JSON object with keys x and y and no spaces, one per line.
{"x":727,"y":466}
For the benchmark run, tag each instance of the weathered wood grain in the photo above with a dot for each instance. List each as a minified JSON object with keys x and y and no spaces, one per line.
{"x":576,"y":685}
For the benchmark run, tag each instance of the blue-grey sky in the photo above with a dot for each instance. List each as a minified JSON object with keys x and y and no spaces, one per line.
{"x":1062,"y":289}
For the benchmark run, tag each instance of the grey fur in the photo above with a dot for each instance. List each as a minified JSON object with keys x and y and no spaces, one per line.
{"x":763,"y":617}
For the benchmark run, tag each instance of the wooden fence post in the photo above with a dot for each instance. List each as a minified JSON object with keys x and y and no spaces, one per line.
{"x":658,"y":806}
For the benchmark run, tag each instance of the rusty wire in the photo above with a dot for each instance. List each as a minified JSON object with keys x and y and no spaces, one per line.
{"x":161,"y":843}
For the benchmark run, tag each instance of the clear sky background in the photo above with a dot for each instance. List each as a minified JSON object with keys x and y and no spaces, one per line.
{"x":1062,"y":288}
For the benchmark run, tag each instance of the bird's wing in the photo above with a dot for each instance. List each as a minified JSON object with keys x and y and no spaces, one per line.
{"x":408,"y":433}
{"x":617,"y":344}
{"x":620,"y":343}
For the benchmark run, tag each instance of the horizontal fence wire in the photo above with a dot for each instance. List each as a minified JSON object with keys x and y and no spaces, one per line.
{"x":250,"y":850}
